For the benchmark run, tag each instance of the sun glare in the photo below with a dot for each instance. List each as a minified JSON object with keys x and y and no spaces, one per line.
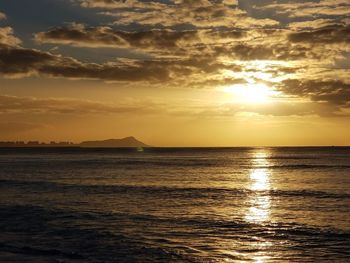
{"x":252,"y":93}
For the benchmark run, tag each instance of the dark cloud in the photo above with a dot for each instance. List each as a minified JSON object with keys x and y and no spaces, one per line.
{"x":282,"y":51}
{"x":335,"y":34}
{"x":151,"y":71}
{"x":79,"y":35}
{"x":247,"y":52}
{"x":118,"y":4}
{"x":240,"y":44}
{"x":335,"y":92}
{"x":159,"y":41}
{"x":200,"y":13}
{"x":310,"y":8}
{"x":20,"y":61}
{"x":16,"y":61}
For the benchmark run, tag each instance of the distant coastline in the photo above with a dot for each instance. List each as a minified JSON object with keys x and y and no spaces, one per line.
{"x":110,"y":143}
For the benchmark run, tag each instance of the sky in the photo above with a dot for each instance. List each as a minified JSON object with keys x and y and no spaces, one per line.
{"x":176,"y":72}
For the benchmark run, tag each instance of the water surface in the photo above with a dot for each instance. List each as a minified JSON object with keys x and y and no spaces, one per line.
{"x":175,"y":205}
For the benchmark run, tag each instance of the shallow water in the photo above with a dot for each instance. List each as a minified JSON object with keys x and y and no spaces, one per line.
{"x":175,"y":205}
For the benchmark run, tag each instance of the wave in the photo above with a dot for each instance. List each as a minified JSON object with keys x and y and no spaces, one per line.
{"x":16,"y":215}
{"x":303,"y":166}
{"x":146,"y":163}
{"x":28,"y":250}
{"x":64,"y":234}
{"x":181,"y":192}
{"x":74,"y":235}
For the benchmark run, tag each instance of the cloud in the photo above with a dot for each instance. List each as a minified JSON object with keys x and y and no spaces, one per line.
{"x":117,"y":4}
{"x":2,"y":16}
{"x":194,"y":50}
{"x":292,"y":107}
{"x":311,"y":24}
{"x":334,"y":92}
{"x":238,"y":44}
{"x":335,"y":34}
{"x":273,"y":45}
{"x":32,"y":105}
{"x":288,"y":108}
{"x":156,"y":41}
{"x":310,"y":8}
{"x":207,"y":59}
{"x":7,"y":38}
{"x":213,"y":65}
{"x":200,"y":13}
{"x":19,"y":62}
{"x":79,"y":35}
{"x":220,"y":45}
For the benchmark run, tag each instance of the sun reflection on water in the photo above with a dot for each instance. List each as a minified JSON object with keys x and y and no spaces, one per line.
{"x":259,"y":183}
{"x":260,"y":201}
{"x":259,"y":179}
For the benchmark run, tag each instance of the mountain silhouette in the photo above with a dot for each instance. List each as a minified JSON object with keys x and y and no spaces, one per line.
{"x":125,"y":142}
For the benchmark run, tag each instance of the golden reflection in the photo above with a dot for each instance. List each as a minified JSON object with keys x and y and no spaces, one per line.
{"x":259,"y":201}
{"x":259,"y":183}
{"x":260,"y":259}
{"x":259,"y":179}
{"x":260,"y":209}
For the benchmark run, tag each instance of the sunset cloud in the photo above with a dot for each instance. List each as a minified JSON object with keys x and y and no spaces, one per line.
{"x":15,"y":104}
{"x":7,"y":38}
{"x":95,"y":37}
{"x":200,"y":14}
{"x":118,"y":4}
{"x":311,"y":24}
{"x":2,"y":16}
{"x":311,"y":8}
{"x":334,"y":92}
{"x":336,"y":34}
{"x":17,"y":62}
{"x":79,"y":35}
{"x":10,"y":105}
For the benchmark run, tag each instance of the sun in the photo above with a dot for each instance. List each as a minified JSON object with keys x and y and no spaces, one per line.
{"x":251,"y":93}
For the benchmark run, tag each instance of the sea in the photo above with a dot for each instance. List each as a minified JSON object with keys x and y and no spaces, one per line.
{"x":259,"y":205}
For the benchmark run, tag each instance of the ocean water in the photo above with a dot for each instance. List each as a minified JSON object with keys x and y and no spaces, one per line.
{"x":175,"y":205}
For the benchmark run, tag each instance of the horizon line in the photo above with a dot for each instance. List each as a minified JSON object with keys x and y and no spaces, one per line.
{"x":131,"y":147}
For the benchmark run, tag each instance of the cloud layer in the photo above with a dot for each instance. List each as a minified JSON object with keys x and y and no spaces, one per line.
{"x":200,"y":13}
{"x":199,"y":44}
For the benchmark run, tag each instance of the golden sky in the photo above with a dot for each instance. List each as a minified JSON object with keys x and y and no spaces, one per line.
{"x":176,"y":72}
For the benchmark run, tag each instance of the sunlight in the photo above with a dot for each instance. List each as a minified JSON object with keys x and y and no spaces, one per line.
{"x":260,"y":209}
{"x":260,"y":203}
{"x":251,"y":93}
{"x":259,"y":178}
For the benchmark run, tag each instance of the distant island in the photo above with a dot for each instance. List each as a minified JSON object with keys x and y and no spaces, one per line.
{"x":125,"y":142}
{"x":111,"y":143}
